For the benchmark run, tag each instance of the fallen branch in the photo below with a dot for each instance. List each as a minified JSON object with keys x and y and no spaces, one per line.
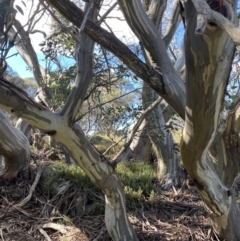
{"x":32,"y":188}
{"x":58,"y":227}
{"x":99,"y":237}
{"x":1,"y":235}
{"x":44,"y":234}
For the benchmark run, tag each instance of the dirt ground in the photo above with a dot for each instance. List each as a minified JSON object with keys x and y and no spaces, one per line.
{"x":178,"y":215}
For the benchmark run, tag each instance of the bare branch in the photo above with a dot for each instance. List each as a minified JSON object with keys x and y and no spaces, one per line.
{"x":103,"y":17}
{"x":32,"y":188}
{"x":27,"y":52}
{"x":151,"y":39}
{"x":114,"y":45}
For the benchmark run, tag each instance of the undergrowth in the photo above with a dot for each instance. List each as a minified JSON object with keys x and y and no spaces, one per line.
{"x":137,"y":178}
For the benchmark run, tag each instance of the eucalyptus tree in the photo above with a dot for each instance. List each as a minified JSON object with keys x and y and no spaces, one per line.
{"x":210,"y":154}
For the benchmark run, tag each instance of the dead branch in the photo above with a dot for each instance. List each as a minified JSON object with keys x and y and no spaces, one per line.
{"x":32,"y":188}
{"x":44,"y":234}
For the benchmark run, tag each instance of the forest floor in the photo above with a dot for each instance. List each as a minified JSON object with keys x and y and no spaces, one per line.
{"x":176,"y":215}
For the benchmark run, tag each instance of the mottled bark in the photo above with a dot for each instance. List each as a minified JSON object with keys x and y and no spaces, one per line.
{"x":62,"y":127}
{"x":21,"y":39}
{"x":208,"y":64}
{"x":98,"y":170}
{"x":161,"y":139}
{"x":226,"y":148}
{"x":14,"y":147}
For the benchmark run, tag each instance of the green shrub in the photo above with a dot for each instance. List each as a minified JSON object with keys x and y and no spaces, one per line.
{"x":60,"y":171}
{"x":138,"y":180}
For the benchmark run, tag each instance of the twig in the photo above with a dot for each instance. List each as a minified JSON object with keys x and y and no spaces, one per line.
{"x":59,"y":227}
{"x":32,"y":188}
{"x":216,"y":236}
{"x":1,"y":235}
{"x":106,"y":13}
{"x":44,"y":234}
{"x":63,"y":27}
{"x":114,"y":144}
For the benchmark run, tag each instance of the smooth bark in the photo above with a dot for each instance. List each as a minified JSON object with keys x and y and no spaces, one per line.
{"x":140,"y":147}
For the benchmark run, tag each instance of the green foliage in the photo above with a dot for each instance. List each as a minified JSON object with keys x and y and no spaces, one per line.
{"x":101,"y":142}
{"x":138,"y":180}
{"x":61,"y":86}
{"x":60,"y":171}
{"x":100,"y":139}
{"x":137,"y":177}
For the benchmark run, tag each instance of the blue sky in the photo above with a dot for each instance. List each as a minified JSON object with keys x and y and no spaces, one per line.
{"x":18,"y":64}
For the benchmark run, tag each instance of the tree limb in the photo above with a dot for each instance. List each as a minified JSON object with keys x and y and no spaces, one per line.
{"x":161,"y":83}
{"x":205,"y":14}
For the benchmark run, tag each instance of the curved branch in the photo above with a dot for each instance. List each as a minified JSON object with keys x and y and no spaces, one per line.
{"x":162,"y":84}
{"x":25,"y":49}
{"x":14,"y":146}
{"x":150,"y":37}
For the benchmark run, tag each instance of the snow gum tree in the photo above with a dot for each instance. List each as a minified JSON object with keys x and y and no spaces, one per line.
{"x":194,"y":88}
